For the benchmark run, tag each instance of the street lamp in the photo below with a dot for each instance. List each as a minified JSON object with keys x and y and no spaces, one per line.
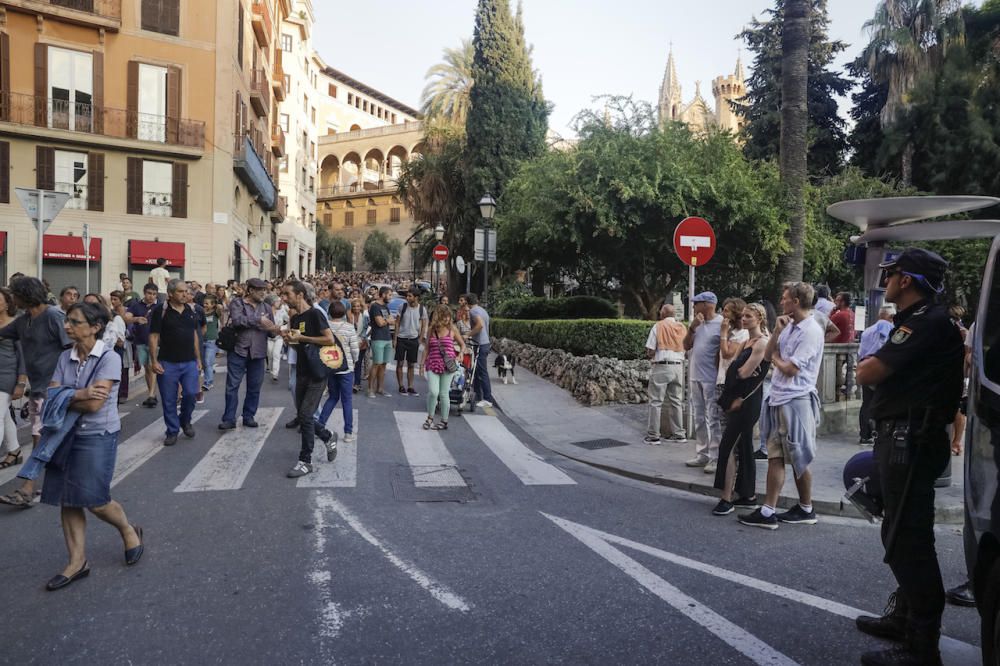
{"x":487,"y":208}
{"x":438,"y":235}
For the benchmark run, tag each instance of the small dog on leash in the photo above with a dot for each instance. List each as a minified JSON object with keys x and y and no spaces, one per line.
{"x":504,"y":365}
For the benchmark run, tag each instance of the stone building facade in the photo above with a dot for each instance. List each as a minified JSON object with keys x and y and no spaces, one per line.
{"x":697,"y":113}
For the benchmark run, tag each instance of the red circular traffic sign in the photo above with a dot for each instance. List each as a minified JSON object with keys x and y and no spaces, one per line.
{"x":694,"y":241}
{"x":440,"y":252}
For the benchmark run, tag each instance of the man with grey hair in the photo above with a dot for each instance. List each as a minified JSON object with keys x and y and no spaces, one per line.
{"x":175,"y":356}
{"x":872,"y":340}
{"x":254,"y":323}
{"x":703,"y":339}
{"x":665,"y":351}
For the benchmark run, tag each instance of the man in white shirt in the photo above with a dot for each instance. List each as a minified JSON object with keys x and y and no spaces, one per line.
{"x":823,"y":303}
{"x":702,"y":341}
{"x":665,"y":351}
{"x":160,"y":276}
{"x":796,"y":353}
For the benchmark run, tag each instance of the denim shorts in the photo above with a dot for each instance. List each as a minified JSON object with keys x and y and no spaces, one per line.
{"x":86,"y":480}
{"x":381,"y":351}
{"x":142,"y":351}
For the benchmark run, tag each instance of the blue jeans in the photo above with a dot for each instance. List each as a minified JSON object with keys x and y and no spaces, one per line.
{"x":237,"y":366}
{"x":209,"y":350}
{"x":185,"y":377}
{"x":339,"y":386}
{"x":481,"y":382}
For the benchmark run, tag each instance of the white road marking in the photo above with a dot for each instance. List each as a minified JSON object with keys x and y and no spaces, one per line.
{"x":525,"y":463}
{"x":140,"y":447}
{"x":342,"y":472}
{"x":429,"y":460}
{"x":227,"y":464}
{"x":953,"y":651}
{"x":435,"y":589}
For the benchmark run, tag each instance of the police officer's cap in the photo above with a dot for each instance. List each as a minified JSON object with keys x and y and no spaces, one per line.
{"x":926,"y":267}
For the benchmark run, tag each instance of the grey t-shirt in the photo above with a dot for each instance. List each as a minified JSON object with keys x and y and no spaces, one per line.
{"x":705,"y":351}
{"x":43,"y":339}
{"x":409,"y":321}
{"x":483,"y":337}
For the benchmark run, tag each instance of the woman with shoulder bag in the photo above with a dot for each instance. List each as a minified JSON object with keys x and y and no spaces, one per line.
{"x":340,"y":382}
{"x":441,"y":364}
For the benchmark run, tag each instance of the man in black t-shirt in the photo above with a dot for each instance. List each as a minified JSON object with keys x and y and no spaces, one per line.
{"x":308,"y":327}
{"x":175,"y":356}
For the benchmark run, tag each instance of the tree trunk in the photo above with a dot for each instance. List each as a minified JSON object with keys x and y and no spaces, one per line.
{"x":906,"y":164}
{"x":794,"y":139}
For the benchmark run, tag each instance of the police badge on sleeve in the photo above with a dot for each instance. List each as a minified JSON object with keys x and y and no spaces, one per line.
{"x":901,"y":335}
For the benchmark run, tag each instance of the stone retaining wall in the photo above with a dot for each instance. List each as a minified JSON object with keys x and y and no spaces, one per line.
{"x":593,"y":380}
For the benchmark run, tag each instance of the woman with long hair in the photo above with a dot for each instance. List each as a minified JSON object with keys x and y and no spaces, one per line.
{"x":740,"y":400}
{"x":13,"y":381}
{"x":359,"y":318}
{"x":442,"y":339}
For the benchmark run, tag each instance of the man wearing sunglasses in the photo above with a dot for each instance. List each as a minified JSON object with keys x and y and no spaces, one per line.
{"x":918,"y":376}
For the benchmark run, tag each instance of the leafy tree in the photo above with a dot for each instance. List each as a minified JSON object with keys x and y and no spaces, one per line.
{"x":333,"y":251}
{"x":380,"y":252}
{"x":446,"y":96}
{"x":761,"y":107}
{"x":508,"y":116}
{"x":866,"y":136}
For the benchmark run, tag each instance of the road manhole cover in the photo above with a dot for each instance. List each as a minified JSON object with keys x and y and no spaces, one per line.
{"x":594,"y":444}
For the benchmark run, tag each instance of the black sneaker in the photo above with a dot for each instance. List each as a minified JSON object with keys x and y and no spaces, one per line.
{"x":760,"y":455}
{"x":798,"y":516}
{"x":227,"y":425}
{"x":891,"y":625}
{"x":723,"y":508}
{"x":299,"y":469}
{"x":412,"y":393}
{"x":250,"y":423}
{"x":170,"y":440}
{"x":188,"y":430}
{"x":746,"y":503}
{"x":331,"y":449}
{"x":294,"y":423}
{"x":961,"y":595}
{"x":149,"y":402}
{"x":324,"y":435}
{"x":757,"y":519}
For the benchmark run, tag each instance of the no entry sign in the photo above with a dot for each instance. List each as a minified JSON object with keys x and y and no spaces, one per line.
{"x":694,"y":241}
{"x":440,"y":252}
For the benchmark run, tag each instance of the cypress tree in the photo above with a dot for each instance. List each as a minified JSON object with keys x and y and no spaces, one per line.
{"x":508,"y":116}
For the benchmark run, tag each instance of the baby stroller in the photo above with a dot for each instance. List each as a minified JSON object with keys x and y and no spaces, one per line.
{"x":461,"y":392}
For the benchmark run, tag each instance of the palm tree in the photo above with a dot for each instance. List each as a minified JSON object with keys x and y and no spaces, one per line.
{"x":794,"y":141}
{"x":446,"y":96}
{"x":908,"y":39}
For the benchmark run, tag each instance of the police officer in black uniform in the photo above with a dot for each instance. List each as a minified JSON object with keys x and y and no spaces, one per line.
{"x":918,"y":384}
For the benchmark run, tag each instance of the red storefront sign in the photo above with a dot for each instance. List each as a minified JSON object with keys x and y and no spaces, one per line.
{"x":69,"y":248}
{"x":147,"y":252}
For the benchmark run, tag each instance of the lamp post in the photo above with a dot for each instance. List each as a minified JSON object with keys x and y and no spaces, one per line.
{"x":438,"y":235}
{"x":487,"y":208}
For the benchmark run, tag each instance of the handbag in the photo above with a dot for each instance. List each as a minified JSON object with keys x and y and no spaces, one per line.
{"x":333,"y":356}
{"x":315,"y":366}
{"x":450,"y":364}
{"x":227,"y":338}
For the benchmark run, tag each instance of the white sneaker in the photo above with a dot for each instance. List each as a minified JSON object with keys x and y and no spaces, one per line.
{"x":484,"y":403}
{"x":699,"y":461}
{"x":710,"y":467}
{"x":348,"y":437}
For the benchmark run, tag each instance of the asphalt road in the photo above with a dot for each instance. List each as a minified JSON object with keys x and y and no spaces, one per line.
{"x":508,"y":554}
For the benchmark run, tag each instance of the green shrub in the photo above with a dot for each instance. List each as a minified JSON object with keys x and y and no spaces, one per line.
{"x":573,"y":307}
{"x":614,"y":338}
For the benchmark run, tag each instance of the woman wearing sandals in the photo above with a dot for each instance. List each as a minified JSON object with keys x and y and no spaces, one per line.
{"x":441,"y":364}
{"x":12,"y":382}
{"x":79,"y":475}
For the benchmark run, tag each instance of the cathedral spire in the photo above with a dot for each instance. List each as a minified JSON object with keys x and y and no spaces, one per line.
{"x":670,"y":91}
{"x":740,"y":74}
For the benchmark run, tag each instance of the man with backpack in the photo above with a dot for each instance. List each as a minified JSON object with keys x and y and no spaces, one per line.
{"x":411,"y":330}
{"x":175,"y":356}
{"x":254,"y":322}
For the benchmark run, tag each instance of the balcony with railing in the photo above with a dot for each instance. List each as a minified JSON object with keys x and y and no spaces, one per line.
{"x":261,"y":21}
{"x":280,"y":210}
{"x":61,"y":114}
{"x":384,"y":130}
{"x":354,"y":189}
{"x":278,"y":141}
{"x":105,"y":14}
{"x":278,"y":77}
{"x":255,"y":168}
{"x":260,"y":92}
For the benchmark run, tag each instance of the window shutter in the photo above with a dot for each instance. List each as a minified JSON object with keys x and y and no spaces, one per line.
{"x":349,"y":218}
{"x":179,"y":203}
{"x":45,"y":168}
{"x":41,"y":85}
{"x":98,"y":82}
{"x":132,"y":100}
{"x":95,"y":181}
{"x":170,"y":17}
{"x":133,"y":186}
{"x":4,"y":76}
{"x":173,"y":104}
{"x":371,"y":217}
{"x":4,"y":172}
{"x":328,"y":219}
{"x":239,"y":34}
{"x":150,"y":14}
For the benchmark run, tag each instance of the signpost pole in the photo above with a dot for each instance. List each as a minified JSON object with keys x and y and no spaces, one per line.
{"x":690,"y":403}
{"x":486,"y":263}
{"x":41,"y":228}
{"x":86,"y":254}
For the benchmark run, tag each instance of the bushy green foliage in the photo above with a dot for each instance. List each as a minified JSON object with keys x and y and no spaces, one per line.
{"x":333,"y":251}
{"x":572,"y":307}
{"x":613,"y":338}
{"x":380,"y":251}
{"x":510,"y":290}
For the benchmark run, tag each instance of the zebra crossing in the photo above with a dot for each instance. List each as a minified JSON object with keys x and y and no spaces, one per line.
{"x":228,"y":462}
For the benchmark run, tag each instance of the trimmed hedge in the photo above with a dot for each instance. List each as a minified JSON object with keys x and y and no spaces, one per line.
{"x":572,"y":307}
{"x":623,"y":339}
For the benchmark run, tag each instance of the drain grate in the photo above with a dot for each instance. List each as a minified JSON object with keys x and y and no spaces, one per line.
{"x":594,"y":444}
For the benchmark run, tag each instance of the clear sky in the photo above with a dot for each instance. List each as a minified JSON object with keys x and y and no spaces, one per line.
{"x":583,"y":48}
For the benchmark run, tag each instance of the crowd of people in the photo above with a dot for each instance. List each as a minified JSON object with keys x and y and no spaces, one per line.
{"x":68,"y":360}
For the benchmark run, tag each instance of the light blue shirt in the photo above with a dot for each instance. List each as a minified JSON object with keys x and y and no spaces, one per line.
{"x":69,"y":372}
{"x":802,"y":345}
{"x":705,"y":351}
{"x":874,"y":337}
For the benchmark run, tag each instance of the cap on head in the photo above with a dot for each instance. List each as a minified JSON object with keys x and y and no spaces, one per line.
{"x":926,"y":267}
{"x":706,"y":297}
{"x":256,"y":283}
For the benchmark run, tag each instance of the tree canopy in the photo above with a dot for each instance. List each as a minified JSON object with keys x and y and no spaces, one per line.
{"x":380,"y":252}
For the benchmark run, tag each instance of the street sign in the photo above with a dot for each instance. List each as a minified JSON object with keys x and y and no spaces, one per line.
{"x":440,"y":252}
{"x":480,"y":238}
{"x":54,"y":202}
{"x":694,"y":241}
{"x":460,"y":264}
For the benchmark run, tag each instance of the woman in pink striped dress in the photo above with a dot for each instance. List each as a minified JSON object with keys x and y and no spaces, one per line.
{"x":444,"y":342}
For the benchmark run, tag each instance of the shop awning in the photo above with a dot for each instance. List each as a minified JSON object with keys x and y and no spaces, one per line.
{"x":3,"y":242}
{"x":69,"y":248}
{"x":147,"y":252}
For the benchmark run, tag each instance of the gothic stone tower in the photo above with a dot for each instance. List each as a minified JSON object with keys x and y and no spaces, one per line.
{"x":728,"y":89}
{"x":670,"y":103}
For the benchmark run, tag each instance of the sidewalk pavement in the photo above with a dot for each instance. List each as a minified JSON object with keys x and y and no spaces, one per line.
{"x":554,"y":418}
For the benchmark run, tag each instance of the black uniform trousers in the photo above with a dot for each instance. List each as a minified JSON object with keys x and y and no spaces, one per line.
{"x":738,"y":435}
{"x":914,"y":561}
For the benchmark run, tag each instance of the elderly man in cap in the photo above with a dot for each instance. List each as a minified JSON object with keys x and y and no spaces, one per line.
{"x":702,"y":341}
{"x":254,"y":322}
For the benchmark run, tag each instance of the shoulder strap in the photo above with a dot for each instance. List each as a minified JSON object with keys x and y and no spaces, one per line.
{"x":403,"y":310}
